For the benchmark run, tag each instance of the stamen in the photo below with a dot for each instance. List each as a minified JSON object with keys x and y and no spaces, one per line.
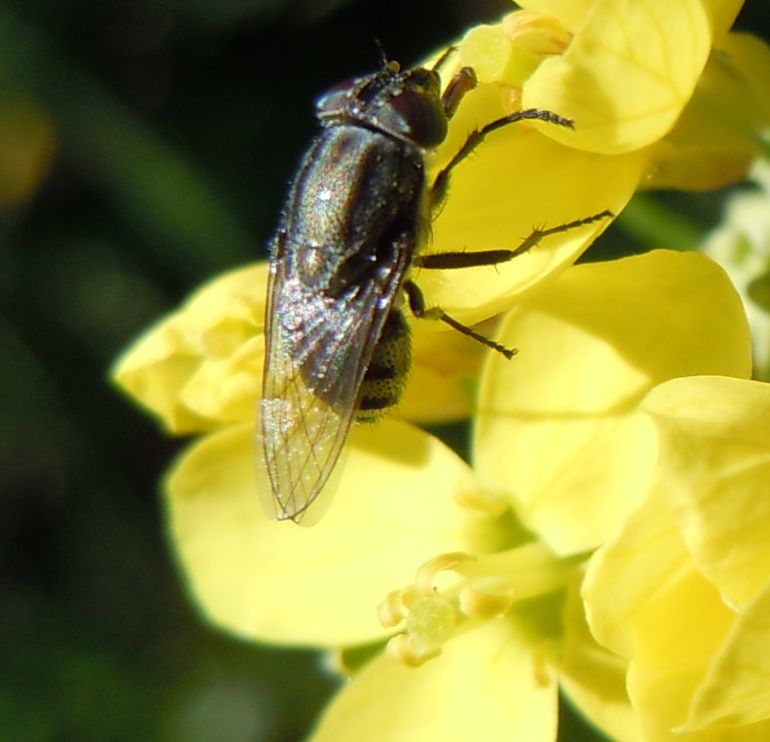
{"x":527,"y":571}
{"x":486,"y":587}
{"x":392,"y":611}
{"x":477,"y":604}
{"x":400,"y":647}
{"x":481,"y":502}
{"x":425,"y":580}
{"x":540,"y":672}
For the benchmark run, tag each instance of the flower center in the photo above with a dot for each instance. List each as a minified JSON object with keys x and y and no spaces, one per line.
{"x":454,"y":591}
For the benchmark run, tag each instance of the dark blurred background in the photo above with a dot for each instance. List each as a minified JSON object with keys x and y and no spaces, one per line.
{"x":170,"y":128}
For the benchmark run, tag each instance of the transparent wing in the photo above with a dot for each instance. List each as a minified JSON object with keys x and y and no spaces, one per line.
{"x":318,"y":350}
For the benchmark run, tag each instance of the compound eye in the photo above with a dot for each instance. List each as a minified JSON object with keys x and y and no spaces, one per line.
{"x":417,"y":115}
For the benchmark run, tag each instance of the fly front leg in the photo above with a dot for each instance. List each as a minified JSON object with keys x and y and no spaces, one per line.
{"x":475,"y":138}
{"x":468,"y":259}
{"x":462,"y":82}
{"x":419,"y":310}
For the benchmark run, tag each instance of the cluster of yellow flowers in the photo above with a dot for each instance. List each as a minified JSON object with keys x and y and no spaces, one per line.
{"x":611,"y":535}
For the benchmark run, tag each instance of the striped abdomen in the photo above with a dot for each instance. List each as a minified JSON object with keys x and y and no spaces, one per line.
{"x":386,"y":375}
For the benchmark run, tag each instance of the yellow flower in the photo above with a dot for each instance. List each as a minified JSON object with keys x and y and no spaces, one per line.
{"x":493,"y":617}
{"x":561,"y":452}
{"x":650,"y":111}
{"x":592,"y":435}
{"x":669,"y":81}
{"x":199,"y":369}
{"x":682,"y":592}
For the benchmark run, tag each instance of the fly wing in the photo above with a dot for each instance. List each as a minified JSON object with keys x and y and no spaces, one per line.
{"x":318,"y":350}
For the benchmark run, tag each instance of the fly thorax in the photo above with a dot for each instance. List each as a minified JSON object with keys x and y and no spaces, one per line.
{"x":312,"y":264}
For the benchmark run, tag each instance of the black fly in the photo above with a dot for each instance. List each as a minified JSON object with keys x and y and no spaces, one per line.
{"x":357,"y":215}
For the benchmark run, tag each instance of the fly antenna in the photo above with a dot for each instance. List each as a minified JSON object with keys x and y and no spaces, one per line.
{"x":383,"y":56}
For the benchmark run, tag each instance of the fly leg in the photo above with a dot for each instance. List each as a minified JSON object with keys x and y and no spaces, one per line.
{"x":419,"y":310}
{"x":462,"y":83}
{"x":440,"y":185}
{"x":468,"y":259}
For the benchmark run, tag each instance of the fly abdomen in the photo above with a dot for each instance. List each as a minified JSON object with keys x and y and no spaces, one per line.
{"x":386,"y":374}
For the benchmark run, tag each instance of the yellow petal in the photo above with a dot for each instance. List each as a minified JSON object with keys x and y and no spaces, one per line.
{"x":393,"y":510}
{"x":715,"y":461}
{"x":200,"y":367}
{"x":736,"y":691}
{"x":482,"y":687}
{"x":627,"y":75}
{"x":645,"y":601}
{"x":508,"y":52}
{"x":677,"y":630}
{"x":516,"y":181}
{"x":594,"y":678}
{"x":558,"y":428}
{"x":444,"y":374}
{"x":631,"y":568}
{"x":749,"y":57}
{"x":695,"y":664}
{"x":717,"y":137}
{"x":489,"y":51}
{"x":225,"y":389}
{"x":571,"y":13}
{"x":721,"y":15}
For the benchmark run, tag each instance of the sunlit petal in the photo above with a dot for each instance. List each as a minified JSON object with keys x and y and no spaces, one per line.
{"x":558,"y":427}
{"x":260,"y":579}
{"x":199,"y":367}
{"x":627,"y":75}
{"x":483,"y":686}
{"x":715,"y":460}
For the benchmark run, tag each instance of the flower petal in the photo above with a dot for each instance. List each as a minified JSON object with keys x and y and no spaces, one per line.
{"x":571,"y":13}
{"x":715,"y":461}
{"x":735,"y":690}
{"x":516,"y":181}
{"x":717,"y":137}
{"x":643,"y":599}
{"x":558,"y":427}
{"x":594,"y":678}
{"x":271,"y":581}
{"x":749,"y":58}
{"x":443,"y":377}
{"x":630,"y":569}
{"x":627,"y":75}
{"x":483,"y":686}
{"x":507,"y":53}
{"x":199,"y":368}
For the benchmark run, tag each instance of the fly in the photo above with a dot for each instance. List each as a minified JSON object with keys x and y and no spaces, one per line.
{"x":356,"y":217}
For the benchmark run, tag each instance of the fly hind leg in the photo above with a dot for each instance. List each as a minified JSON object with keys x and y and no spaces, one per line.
{"x":419,"y":310}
